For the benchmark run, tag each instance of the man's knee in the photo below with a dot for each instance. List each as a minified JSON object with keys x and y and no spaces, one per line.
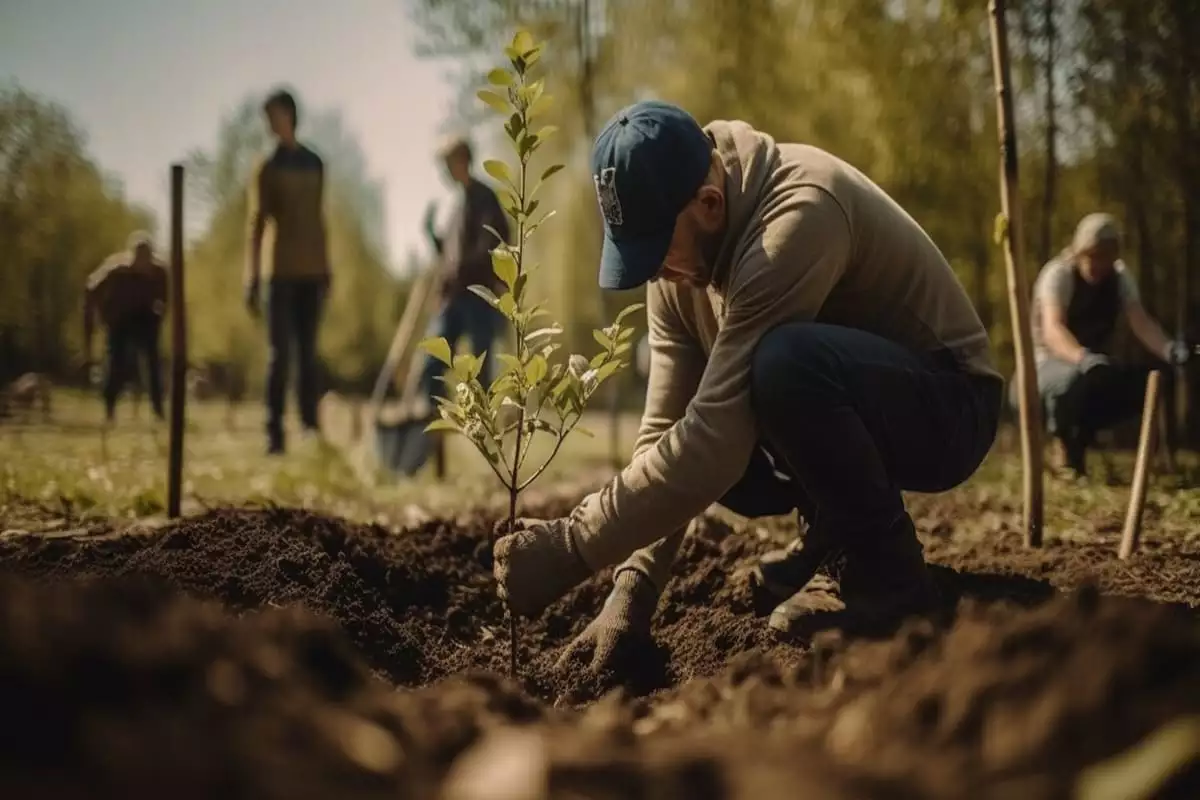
{"x":793,"y":372}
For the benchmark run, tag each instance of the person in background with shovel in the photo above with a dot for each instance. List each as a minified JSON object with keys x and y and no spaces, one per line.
{"x":1078,"y":298}
{"x":286,"y":215}
{"x":810,"y":349}
{"x":129,"y":294}
{"x":465,"y":258}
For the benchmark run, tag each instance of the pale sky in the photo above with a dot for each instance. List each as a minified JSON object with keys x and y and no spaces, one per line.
{"x":149,"y":80}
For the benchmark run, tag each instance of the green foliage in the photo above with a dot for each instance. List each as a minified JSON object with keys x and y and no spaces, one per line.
{"x":60,"y":217}
{"x":538,"y":389}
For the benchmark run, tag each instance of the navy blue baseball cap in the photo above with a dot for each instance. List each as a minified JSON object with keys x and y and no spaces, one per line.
{"x":647,"y":163}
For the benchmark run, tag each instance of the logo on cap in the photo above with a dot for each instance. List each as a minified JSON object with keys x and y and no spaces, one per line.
{"x":606,"y":193}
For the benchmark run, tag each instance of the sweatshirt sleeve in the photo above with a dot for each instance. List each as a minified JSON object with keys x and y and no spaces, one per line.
{"x":676,"y":366}
{"x":789,"y":262}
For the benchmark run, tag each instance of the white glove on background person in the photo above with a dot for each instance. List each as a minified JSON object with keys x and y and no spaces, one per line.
{"x":1177,"y":353}
{"x":1092,"y":360}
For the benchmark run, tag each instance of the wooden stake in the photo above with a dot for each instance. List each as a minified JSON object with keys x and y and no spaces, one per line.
{"x":1018,"y":295}
{"x":178,"y":346}
{"x":1137,"y":497}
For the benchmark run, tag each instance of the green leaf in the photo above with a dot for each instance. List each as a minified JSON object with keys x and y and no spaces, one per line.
{"x":477,"y":364}
{"x":533,"y":336}
{"x":532,"y":56}
{"x":598,"y":359}
{"x":623,"y":347}
{"x":546,"y":132}
{"x":539,"y":106}
{"x":505,"y":267}
{"x":442,"y":425}
{"x":523,"y":42}
{"x":464,"y":365}
{"x":601,"y":337}
{"x":498,"y":170}
{"x":494,"y":100}
{"x":518,"y":289}
{"x":437,"y":347}
{"x":507,"y":306}
{"x":529,"y":229}
{"x":629,"y":309}
{"x":625,"y":334}
{"x":608,"y":370}
{"x":550,"y":170}
{"x":536,"y":370}
{"x":509,"y":203}
{"x":500,"y":77}
{"x":533,"y":204}
{"x":486,"y":294}
{"x":584,"y":431}
{"x":515,"y":126}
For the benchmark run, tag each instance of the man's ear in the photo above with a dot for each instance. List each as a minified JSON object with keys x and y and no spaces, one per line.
{"x":710,"y":207}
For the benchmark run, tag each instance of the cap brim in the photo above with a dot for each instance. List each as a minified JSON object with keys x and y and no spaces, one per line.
{"x":630,"y":263}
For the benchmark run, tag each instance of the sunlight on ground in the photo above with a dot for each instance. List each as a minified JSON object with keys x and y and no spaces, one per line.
{"x":64,"y":470}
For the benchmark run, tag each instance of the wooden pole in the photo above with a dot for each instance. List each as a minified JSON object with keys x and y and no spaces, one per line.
{"x":1137,"y":497}
{"x":178,"y":346}
{"x":1018,"y":295}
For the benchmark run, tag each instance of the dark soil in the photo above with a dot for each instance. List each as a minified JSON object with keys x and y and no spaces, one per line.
{"x":279,"y":653}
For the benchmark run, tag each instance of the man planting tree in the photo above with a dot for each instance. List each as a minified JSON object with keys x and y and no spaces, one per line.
{"x":1078,"y":299}
{"x":811,"y":349}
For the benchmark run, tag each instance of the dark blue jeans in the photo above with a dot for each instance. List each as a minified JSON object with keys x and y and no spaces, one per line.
{"x":132,"y":339}
{"x":851,"y":420}
{"x":464,"y":314}
{"x":293,"y":317}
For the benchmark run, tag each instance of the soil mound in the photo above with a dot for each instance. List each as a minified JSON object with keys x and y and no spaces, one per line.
{"x":266,"y":653}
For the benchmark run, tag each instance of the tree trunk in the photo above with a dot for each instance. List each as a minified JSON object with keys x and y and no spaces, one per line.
{"x":1049,"y":190}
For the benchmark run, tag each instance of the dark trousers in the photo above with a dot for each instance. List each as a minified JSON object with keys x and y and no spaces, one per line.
{"x":293,"y":317}
{"x":850,"y":420}
{"x":1080,"y":404}
{"x":132,"y":339}
{"x":464,"y":314}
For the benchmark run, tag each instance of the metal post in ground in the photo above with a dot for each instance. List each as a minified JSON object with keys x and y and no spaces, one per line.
{"x":178,"y":346}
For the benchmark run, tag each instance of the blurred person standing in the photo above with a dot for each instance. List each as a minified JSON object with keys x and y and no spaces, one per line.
{"x":464,"y":251}
{"x":287,"y":218}
{"x":128,"y":292}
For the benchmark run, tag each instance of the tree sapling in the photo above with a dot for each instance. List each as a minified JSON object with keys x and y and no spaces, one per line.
{"x":536,"y":390}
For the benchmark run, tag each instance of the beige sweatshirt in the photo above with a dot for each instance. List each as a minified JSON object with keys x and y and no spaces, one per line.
{"x":809,"y":238}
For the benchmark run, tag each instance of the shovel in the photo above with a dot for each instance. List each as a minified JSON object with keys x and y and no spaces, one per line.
{"x":401,"y":444}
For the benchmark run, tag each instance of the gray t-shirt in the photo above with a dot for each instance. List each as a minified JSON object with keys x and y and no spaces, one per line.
{"x":1090,"y":310}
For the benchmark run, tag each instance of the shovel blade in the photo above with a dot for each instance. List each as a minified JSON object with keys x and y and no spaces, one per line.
{"x":402,"y":447}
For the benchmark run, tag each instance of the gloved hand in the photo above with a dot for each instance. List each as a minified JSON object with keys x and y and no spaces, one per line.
{"x":1177,"y":353}
{"x":618,"y":629}
{"x":252,"y":296}
{"x":1092,"y":360}
{"x":537,"y":564}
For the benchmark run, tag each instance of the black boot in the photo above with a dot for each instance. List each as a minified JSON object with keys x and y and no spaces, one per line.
{"x":887,"y":579}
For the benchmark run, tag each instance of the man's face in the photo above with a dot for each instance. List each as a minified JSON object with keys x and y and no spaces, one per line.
{"x":1098,"y":263}
{"x":142,"y":252}
{"x":457,"y":167}
{"x":280,"y":121}
{"x":697,"y":236}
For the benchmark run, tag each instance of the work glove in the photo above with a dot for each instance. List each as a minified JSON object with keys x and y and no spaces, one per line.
{"x":537,"y":564}
{"x":1092,"y":360}
{"x":252,"y":296}
{"x":1177,"y":353}
{"x":619,"y":631}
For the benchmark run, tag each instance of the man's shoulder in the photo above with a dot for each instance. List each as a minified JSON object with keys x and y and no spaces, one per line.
{"x":107,"y":268}
{"x":301,"y":157}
